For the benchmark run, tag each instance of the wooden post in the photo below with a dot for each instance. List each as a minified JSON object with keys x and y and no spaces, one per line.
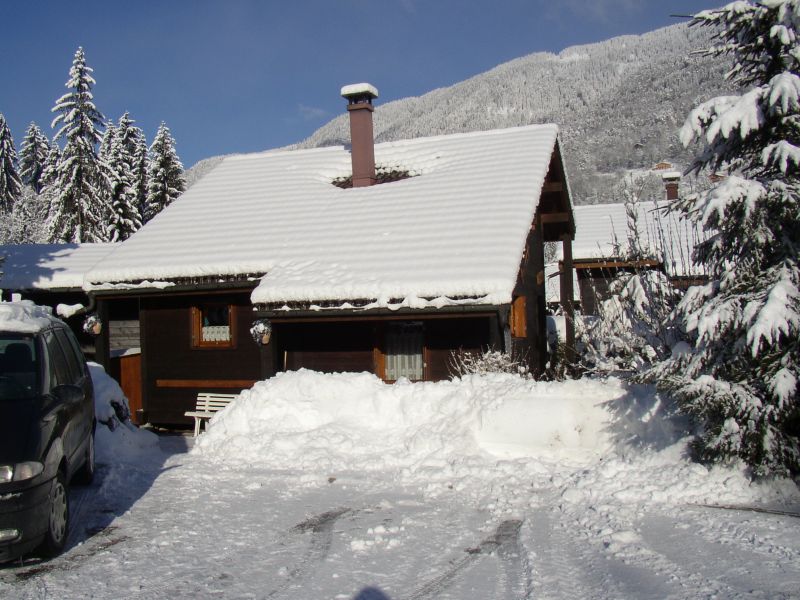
{"x":535,"y":306}
{"x":145,"y":381}
{"x":102,"y":351}
{"x":567,"y":298}
{"x":495,"y":333}
{"x":268,"y":356}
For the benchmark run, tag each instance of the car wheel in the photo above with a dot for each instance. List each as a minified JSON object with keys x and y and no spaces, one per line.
{"x":86,"y":474}
{"x":58,"y":518}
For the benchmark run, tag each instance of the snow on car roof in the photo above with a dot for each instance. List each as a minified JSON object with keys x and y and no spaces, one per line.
{"x":455,"y":228}
{"x":24,"y":317}
{"x":48,"y":266}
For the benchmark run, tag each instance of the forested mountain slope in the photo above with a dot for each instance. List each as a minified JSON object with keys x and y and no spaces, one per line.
{"x":619,"y":104}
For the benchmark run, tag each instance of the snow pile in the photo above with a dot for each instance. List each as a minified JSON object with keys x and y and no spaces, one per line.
{"x":24,"y":316}
{"x":66,"y":311}
{"x":116,"y":438}
{"x":353,"y":421}
{"x":598,"y":446}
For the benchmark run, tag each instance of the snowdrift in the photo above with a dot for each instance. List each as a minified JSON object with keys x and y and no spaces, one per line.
{"x":353,"y":421}
{"x":496,"y":438}
{"x":116,"y":438}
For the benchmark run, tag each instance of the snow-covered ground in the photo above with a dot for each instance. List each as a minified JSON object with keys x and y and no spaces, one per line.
{"x":339,"y":486}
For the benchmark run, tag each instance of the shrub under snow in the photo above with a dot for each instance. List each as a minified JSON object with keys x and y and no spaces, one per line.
{"x":115,"y":437}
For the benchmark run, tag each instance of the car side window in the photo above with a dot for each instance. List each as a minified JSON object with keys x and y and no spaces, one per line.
{"x":76,"y":348}
{"x":74,"y":366}
{"x":59,"y":370}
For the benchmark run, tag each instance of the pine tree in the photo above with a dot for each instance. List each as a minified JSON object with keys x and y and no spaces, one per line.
{"x":125,"y":217}
{"x":78,"y":211}
{"x":50,"y":169}
{"x":136,"y":146}
{"x":140,"y":172}
{"x":739,"y":379}
{"x":32,"y":156}
{"x":27,"y":222}
{"x":10,"y":184}
{"x":164,"y":172}
{"x":107,"y":141}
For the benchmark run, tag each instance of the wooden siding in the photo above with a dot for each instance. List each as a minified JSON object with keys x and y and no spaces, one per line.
{"x":519,"y":327}
{"x":445,"y":336}
{"x":168,"y":356}
{"x":130,"y":380}
{"x":356,"y":346}
{"x":328,"y":347}
{"x":123,"y":334}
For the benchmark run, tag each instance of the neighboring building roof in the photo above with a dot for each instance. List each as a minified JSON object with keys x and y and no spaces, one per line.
{"x":454,"y":230}
{"x":48,"y":266}
{"x":600,"y":228}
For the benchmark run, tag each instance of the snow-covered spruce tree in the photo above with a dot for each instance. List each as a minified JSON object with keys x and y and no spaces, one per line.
{"x":27,"y":222}
{"x":119,"y":162}
{"x":50,"y":170}
{"x":79,"y":210}
{"x":10,"y":184}
{"x":631,"y":331}
{"x":739,"y":378}
{"x":107,"y":141}
{"x":165,"y":180}
{"x":32,"y":156}
{"x":134,"y":146}
{"x":140,"y":172}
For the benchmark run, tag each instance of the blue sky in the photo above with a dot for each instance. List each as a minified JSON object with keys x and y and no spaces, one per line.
{"x":247,"y":75}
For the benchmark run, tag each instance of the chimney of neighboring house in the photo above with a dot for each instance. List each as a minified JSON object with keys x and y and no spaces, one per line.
{"x":671,"y":180}
{"x":362,"y":145}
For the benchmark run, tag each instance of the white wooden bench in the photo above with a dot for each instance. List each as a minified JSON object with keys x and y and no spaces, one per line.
{"x":208,"y":404}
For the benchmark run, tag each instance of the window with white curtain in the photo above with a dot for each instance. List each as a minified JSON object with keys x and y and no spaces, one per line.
{"x":404,"y":343}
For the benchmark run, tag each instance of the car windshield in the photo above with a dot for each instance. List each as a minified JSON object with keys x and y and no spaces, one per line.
{"x":19,"y":366}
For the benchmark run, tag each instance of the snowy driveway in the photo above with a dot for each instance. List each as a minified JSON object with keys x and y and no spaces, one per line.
{"x":177,"y":525}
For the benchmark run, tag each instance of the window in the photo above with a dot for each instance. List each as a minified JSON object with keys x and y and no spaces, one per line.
{"x":74,"y":362}
{"x":404,"y":343}
{"x":19,"y":366}
{"x":58,"y":368}
{"x":213,"y":326}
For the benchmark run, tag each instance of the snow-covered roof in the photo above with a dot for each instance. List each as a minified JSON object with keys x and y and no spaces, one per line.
{"x":456,"y":228}
{"x":24,"y":317}
{"x":48,"y":266}
{"x":598,"y":227}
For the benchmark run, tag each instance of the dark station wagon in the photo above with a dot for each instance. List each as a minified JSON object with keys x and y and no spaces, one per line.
{"x":46,"y":429}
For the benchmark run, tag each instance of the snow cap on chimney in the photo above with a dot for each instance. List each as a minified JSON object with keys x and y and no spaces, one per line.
{"x":671,"y":180}
{"x":362,"y":144}
{"x":359,"y":89}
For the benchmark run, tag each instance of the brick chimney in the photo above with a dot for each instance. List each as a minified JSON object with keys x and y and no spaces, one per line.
{"x":362,"y":144}
{"x":671,"y":180}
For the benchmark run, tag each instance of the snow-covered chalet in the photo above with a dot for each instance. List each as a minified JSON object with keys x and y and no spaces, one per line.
{"x":384,"y":258}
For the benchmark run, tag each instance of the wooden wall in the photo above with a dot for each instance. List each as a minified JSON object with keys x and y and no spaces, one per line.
{"x":356,"y":345}
{"x":173,"y":372}
{"x":444,"y":336}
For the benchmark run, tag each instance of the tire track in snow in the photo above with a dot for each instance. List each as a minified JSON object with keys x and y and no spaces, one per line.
{"x":736,"y":570}
{"x":100,"y":541}
{"x":505,"y":544}
{"x":321,"y":528}
{"x":567,"y":566}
